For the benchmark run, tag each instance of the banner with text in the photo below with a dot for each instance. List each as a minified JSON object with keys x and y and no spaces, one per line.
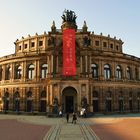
{"x":69,"y":64}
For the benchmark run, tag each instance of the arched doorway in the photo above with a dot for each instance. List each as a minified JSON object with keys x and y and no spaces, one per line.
{"x":69,"y":100}
{"x":95,"y":101}
{"x":43,"y":102}
{"x":29,"y":102}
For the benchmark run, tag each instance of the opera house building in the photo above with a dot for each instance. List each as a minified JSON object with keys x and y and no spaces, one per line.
{"x":69,"y":69}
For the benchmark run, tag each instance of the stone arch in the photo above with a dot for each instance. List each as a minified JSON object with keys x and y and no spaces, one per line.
{"x":69,"y":99}
{"x":42,"y":101}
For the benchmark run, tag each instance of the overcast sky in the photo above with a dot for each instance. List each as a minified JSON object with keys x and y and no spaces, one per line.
{"x":120,"y":18}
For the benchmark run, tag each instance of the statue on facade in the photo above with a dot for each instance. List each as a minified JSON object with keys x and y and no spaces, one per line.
{"x":53,"y":27}
{"x":84,"y":102}
{"x":55,"y":106}
{"x":69,"y":16}
{"x":85,"y":27}
{"x":86,"y":41}
{"x":52,"y":41}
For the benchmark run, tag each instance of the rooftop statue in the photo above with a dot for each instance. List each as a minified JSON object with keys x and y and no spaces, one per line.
{"x":69,"y":16}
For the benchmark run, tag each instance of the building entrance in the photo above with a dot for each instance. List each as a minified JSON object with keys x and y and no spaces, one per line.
{"x":69,"y":100}
{"x":29,"y":106}
{"x":42,"y":105}
{"x":95,"y":105}
{"x":121,"y":106}
{"x":69,"y":104}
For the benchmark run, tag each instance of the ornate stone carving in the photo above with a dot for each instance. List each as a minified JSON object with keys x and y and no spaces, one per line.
{"x":69,"y":16}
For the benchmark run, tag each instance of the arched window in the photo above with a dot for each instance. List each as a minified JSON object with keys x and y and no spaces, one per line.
{"x":31,"y":71}
{"x":107,"y":71}
{"x":128,"y":72}
{"x":18,"y":72}
{"x":8,"y":73}
{"x":44,"y":70}
{"x":118,"y":72}
{"x":94,"y":69}
{"x":43,"y":94}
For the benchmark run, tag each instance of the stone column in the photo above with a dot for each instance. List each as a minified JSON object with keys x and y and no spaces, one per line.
{"x":79,"y":97}
{"x":87,"y":94}
{"x":90,"y":98}
{"x":125,"y":72}
{"x":35,"y":75}
{"x":12,"y":72}
{"x":24,"y":70}
{"x":4,"y":72}
{"x":51,"y":95}
{"x":113,"y":71}
{"x":22,"y":44}
{"x":47,"y":97}
{"x":45,"y":42}
{"x":101,"y":70}
{"x":29,"y":45}
{"x":86,"y":63}
{"x":52,"y":64}
{"x":36,"y":43}
{"x":59,"y":95}
{"x":57,"y":64}
{"x":90,"y":75}
{"x":21,"y":100}
{"x":89,"y":64}
{"x":38,"y":70}
{"x":81,"y":64}
{"x":37,"y":99}
{"x":24,"y":100}
{"x":49,"y":65}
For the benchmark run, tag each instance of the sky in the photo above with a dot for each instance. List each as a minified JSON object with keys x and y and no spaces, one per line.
{"x":120,"y":18}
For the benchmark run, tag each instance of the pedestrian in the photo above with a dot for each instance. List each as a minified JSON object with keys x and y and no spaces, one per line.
{"x":85,"y":114}
{"x":60,"y":113}
{"x":67,"y":117}
{"x":81,"y":113}
{"x":74,"y":118}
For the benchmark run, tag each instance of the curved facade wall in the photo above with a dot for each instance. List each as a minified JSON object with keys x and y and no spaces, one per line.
{"x":107,"y":80}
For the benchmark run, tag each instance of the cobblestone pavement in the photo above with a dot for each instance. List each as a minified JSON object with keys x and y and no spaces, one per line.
{"x":16,"y":127}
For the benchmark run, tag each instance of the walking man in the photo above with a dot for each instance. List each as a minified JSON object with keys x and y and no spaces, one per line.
{"x":67,"y":117}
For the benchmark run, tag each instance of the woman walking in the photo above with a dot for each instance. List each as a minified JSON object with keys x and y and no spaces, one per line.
{"x":74,"y":118}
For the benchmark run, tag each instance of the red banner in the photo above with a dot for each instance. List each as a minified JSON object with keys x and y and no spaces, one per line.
{"x":69,"y":64}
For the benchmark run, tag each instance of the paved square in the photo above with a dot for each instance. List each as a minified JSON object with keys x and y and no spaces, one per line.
{"x":101,"y":127}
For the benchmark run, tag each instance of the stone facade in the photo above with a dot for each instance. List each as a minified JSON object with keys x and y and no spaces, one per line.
{"x":106,"y":80}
